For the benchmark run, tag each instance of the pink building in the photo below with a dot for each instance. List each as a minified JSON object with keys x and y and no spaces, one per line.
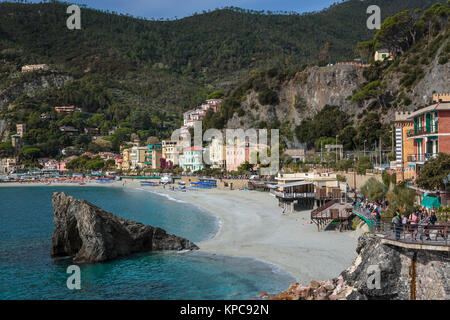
{"x":199,"y":113}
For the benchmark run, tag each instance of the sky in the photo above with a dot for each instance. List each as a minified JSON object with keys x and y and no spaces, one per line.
{"x":181,"y":8}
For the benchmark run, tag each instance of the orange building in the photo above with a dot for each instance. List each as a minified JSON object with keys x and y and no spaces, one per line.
{"x":403,"y":146}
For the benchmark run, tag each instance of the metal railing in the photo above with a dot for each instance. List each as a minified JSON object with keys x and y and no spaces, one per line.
{"x":431,"y":129}
{"x":292,"y":195}
{"x":421,"y":157}
{"x":421,"y":233}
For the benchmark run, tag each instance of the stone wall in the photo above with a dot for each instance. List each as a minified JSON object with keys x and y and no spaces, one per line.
{"x":232,"y":184}
{"x":361,"y":179}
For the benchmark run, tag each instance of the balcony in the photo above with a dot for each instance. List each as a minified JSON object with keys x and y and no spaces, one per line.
{"x":293,"y":195}
{"x":432,"y":129}
{"x":421,"y":157}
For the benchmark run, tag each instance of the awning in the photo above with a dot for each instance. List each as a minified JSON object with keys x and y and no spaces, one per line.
{"x":431,"y":202}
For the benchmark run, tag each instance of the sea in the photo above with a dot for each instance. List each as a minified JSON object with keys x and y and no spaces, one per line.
{"x":27,"y":271}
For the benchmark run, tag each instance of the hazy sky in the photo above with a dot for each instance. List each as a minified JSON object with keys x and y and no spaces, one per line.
{"x":181,"y":8}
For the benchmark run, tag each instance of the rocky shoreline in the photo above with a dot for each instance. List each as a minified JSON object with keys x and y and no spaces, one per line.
{"x":381,"y":272}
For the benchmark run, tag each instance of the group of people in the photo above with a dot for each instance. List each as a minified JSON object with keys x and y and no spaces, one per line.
{"x":416,"y":223}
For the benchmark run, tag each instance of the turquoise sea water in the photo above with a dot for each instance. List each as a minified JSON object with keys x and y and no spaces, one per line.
{"x":28,"y":272}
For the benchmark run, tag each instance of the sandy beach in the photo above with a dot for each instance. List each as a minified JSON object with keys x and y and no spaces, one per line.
{"x":252,"y":226}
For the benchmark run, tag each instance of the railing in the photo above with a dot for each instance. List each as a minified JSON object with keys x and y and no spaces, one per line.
{"x":423,"y":130}
{"x":421,"y":233}
{"x":316,"y":212}
{"x":421,"y":157}
{"x":293,"y":195}
{"x":365,"y":215}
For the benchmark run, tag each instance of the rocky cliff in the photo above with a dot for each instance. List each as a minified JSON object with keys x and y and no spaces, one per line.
{"x":31,"y":84}
{"x":301,"y":96}
{"x":304,"y":95}
{"x":90,"y":234}
{"x":403,"y":274}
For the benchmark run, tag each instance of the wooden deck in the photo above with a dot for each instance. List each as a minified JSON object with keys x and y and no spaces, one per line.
{"x":332,"y":211}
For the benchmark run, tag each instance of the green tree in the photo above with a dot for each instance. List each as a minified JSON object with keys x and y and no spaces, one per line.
{"x":373,"y":190}
{"x":397,"y":33}
{"x":431,"y":175}
{"x":401,"y":198}
{"x":363,"y":164}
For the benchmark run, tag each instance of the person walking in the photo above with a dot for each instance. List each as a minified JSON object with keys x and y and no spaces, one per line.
{"x":397,"y":225}
{"x":413,"y":221}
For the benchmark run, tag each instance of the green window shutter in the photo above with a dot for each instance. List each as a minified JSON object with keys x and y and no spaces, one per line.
{"x":428,"y":122}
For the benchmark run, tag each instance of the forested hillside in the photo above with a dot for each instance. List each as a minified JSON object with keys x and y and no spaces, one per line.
{"x":141,"y":75}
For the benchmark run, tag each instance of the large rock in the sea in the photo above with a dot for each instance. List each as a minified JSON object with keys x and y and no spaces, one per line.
{"x":90,"y":234}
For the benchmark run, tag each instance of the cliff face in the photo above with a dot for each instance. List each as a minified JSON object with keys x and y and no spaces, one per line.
{"x":304,"y":95}
{"x":91,"y":234}
{"x":403,"y":274}
{"x":31,"y":84}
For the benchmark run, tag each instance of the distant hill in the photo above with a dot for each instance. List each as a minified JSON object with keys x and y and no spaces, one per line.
{"x":143,"y":74}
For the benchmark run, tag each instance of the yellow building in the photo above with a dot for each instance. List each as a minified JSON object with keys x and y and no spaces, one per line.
{"x":403,"y":146}
{"x":126,"y":160}
{"x":171,"y":150}
{"x":383,"y":54}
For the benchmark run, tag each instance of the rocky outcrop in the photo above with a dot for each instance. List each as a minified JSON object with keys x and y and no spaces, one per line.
{"x":403,"y":274}
{"x":31,"y":85}
{"x":303,"y":96}
{"x":90,"y":234}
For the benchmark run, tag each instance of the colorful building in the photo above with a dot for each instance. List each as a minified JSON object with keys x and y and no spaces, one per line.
{"x":153,"y":156}
{"x":191,"y":159}
{"x":171,"y":150}
{"x":431,"y":131}
{"x":217,"y":154}
{"x":199,"y":113}
{"x":403,"y":146}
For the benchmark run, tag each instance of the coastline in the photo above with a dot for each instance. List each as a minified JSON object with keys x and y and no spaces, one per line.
{"x":251,"y":226}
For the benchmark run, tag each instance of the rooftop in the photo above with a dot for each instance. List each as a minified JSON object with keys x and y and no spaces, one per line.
{"x":433,"y":107}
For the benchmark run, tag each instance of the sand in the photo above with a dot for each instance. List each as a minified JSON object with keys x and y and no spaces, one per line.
{"x":252,"y":226}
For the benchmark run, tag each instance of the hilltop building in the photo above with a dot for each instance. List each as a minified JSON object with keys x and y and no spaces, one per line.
{"x":34,"y":67}
{"x":21,"y":129}
{"x":383,"y":54}
{"x":67,"y":109}
{"x":199,"y":113}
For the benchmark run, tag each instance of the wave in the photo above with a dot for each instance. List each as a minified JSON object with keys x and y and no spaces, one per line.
{"x":163,"y":195}
{"x":218,"y":221}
